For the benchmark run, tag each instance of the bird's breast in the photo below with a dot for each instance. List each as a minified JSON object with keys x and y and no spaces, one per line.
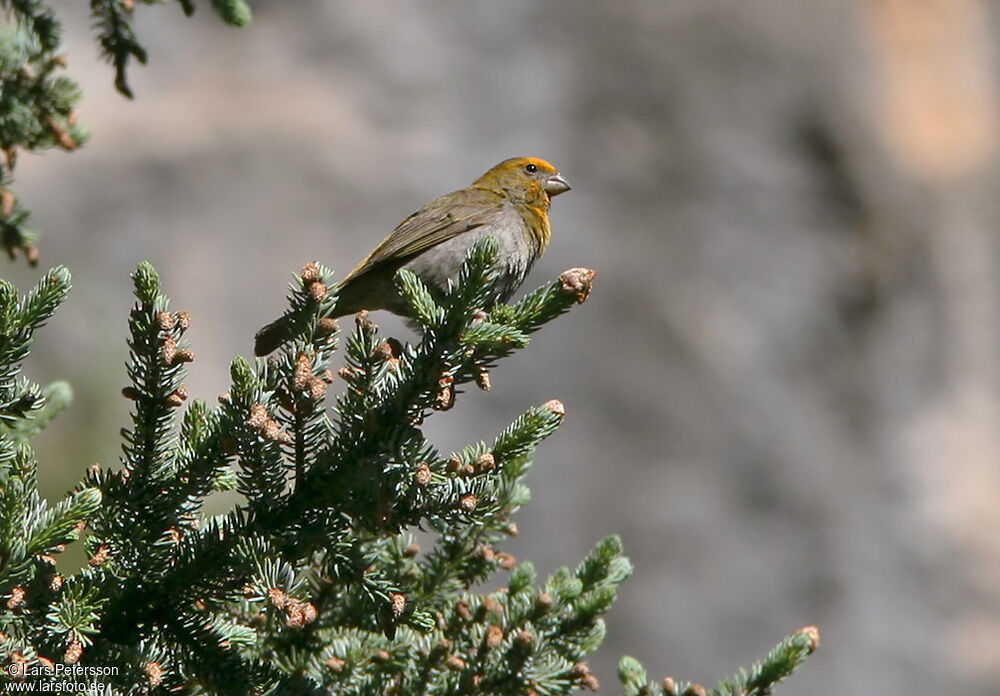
{"x":516,"y":252}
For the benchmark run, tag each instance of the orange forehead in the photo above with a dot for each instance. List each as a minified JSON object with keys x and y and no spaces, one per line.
{"x":521,"y":162}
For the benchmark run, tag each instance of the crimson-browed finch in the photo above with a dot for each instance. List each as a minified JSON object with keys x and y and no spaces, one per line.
{"x":510,"y":203}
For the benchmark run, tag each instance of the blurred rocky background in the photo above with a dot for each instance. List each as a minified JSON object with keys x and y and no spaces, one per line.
{"x":785,"y":389}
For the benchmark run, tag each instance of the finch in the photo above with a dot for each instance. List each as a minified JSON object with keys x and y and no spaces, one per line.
{"x":510,"y":203}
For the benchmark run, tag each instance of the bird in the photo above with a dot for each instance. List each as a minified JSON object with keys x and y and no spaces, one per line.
{"x":510,"y":203}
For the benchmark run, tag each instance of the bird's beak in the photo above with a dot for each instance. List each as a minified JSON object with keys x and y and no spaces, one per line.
{"x":555,"y":185}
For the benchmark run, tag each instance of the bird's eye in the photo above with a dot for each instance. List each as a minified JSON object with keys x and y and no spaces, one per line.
{"x":532,"y":168}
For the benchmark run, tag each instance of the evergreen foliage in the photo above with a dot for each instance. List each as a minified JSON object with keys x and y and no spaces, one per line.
{"x":38,"y":101}
{"x":314,"y":583}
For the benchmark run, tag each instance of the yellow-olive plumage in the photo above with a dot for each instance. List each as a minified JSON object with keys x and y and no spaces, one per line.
{"x":510,"y":203}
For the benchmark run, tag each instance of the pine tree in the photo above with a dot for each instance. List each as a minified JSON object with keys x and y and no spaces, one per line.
{"x":314,"y":583}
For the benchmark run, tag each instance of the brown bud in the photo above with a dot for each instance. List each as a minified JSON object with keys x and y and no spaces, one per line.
{"x":493,"y":637}
{"x":577,"y":282}
{"x":578,"y":670}
{"x":524,"y":639}
{"x":463,"y":611}
{"x":813,"y":633}
{"x":294,"y":616}
{"x":176,"y":398}
{"x":362,"y":321}
{"x":16,"y":598}
{"x":491,"y":605}
{"x":511,"y":529}
{"x":589,"y":681}
{"x":258,"y":417}
{"x":317,"y":291}
{"x":154,"y":673}
{"x":383,"y":352}
{"x":317,"y":388}
{"x":225,"y":398}
{"x":468,"y":502}
{"x":445,"y":398}
{"x":278,"y":598}
{"x":507,"y":561}
{"x":7,"y":201}
{"x":485,"y":462}
{"x":411,"y":551}
{"x":455,"y":663}
{"x":309,"y":612}
{"x":669,"y":686}
{"x":327,"y":326}
{"x":81,"y":526}
{"x":31,"y":254}
{"x":556,"y":407}
{"x":454,"y":464}
{"x":381,"y":656}
{"x":397,"y":603}
{"x":696,"y":690}
{"x":165,"y":320}
{"x":168,"y":351}
{"x":56,"y":583}
{"x":184,"y":355}
{"x":484,"y":553}
{"x":73,"y":653}
{"x":336,"y":664}
{"x":273,"y":433}
{"x":422,"y":474}
{"x":467,"y":470}
{"x":100,"y":556}
{"x":543,"y":602}
{"x":303,"y":371}
{"x":183,"y":320}
{"x":309,"y":273}
{"x":483,"y":378}
{"x":131,"y":393}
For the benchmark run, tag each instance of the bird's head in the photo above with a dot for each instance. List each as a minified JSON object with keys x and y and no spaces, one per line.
{"x":524,"y":180}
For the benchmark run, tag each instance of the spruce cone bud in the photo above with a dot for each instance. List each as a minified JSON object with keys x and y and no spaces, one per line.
{"x":16,"y":598}
{"x":165,"y":320}
{"x":176,"y":398}
{"x":511,"y":529}
{"x":184,"y":355}
{"x":483,"y":379}
{"x":411,"y":551}
{"x":183,"y":320}
{"x":422,"y":475}
{"x":507,"y":561}
{"x":327,"y":326}
{"x":589,"y":681}
{"x":696,"y":690}
{"x":669,"y":686}
{"x":543,"y":602}
{"x":397,"y":603}
{"x":100,"y":556}
{"x":168,"y":351}
{"x":7,"y":201}
{"x":578,"y":282}
{"x":278,"y":598}
{"x":336,"y":664}
{"x":454,"y":464}
{"x":317,"y":291}
{"x":73,"y":653}
{"x":317,"y":388}
{"x":363,"y":322}
{"x":463,"y":611}
{"x":556,"y":407}
{"x":468,"y":502}
{"x":813,"y":633}
{"x":131,"y":393}
{"x":578,"y":670}
{"x":303,"y":371}
{"x":455,"y":663}
{"x":31,"y":255}
{"x":524,"y":639}
{"x":154,"y":673}
{"x":484,"y":553}
{"x":485,"y":462}
{"x":493,"y":637}
{"x":309,"y":273}
{"x":56,"y":583}
{"x":381,"y":656}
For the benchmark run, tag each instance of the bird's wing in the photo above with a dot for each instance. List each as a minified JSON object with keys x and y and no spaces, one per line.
{"x":438,"y":221}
